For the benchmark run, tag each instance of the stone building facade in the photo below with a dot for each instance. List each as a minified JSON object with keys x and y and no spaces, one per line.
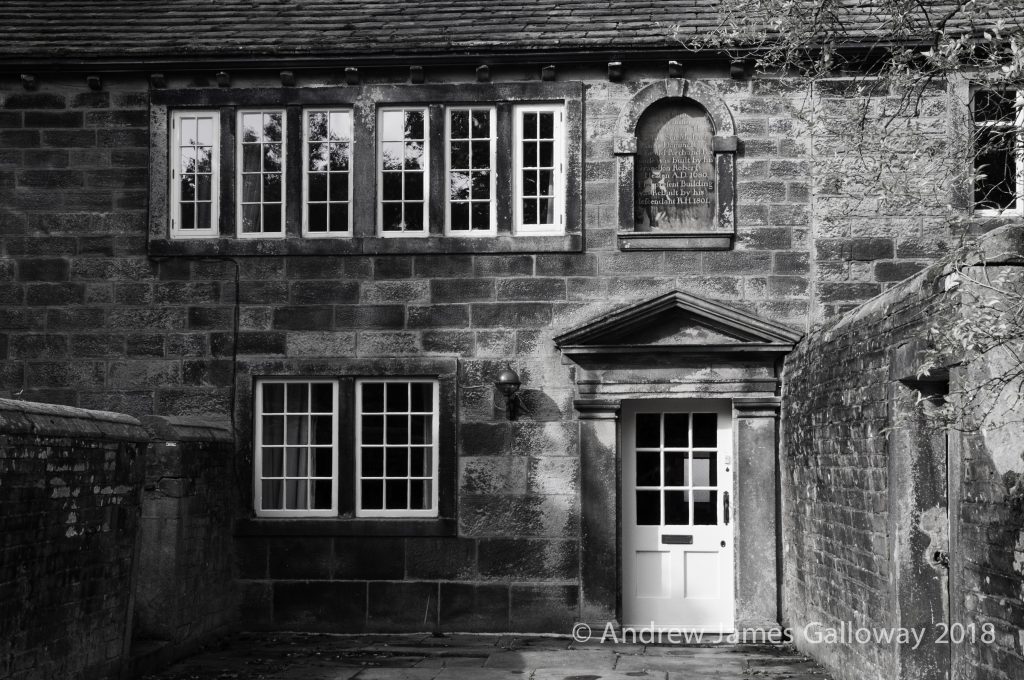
{"x":245,"y":224}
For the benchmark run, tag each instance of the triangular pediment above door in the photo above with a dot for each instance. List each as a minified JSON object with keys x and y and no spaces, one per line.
{"x":678,"y":322}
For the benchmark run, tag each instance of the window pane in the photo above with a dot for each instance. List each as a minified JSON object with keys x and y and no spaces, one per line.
{"x":271,"y":188}
{"x":648,"y":468}
{"x":392,"y":218}
{"x":677,"y":507}
{"x":413,"y":186}
{"x":322,"y":495}
{"x":392,"y":126}
{"x":397,"y":429}
{"x":460,"y":155}
{"x":317,"y":158}
{"x":298,"y":397}
{"x":648,"y":508}
{"x":545,"y":211}
{"x":705,"y":507}
{"x":204,"y":216}
{"x":272,"y":158}
{"x":188,"y":187}
{"x":188,"y":216}
{"x":419,"y":494}
{"x":372,"y":494}
{"x":373,"y":429}
{"x":373,"y":462}
{"x":397,"y":494}
{"x":317,"y":217}
{"x":481,"y":123}
{"x":459,"y":124}
{"x":273,"y":430}
{"x":677,"y":432}
{"x":317,"y":121}
{"x":481,"y":216}
{"x":373,"y":397}
{"x":422,"y":397}
{"x":420,"y":462}
{"x":530,"y":125}
{"x":414,"y":125}
{"x":397,"y":462}
{"x":317,"y":187}
{"x":547,"y":125}
{"x":203,"y":187}
{"x":339,"y":157}
{"x":339,"y":187}
{"x":398,"y":396}
{"x":297,"y":429}
{"x":323,"y":462}
{"x":460,"y":216}
{"x":296,"y":461}
{"x":705,"y":430}
{"x":296,"y":494}
{"x":413,"y":156}
{"x":705,"y":468}
{"x":392,"y":154}
{"x":392,"y":186}
{"x":339,"y":217}
{"x":341,"y":125}
{"x":323,"y":429}
{"x":458,"y":186}
{"x":648,"y":430}
{"x":272,"y":218}
{"x":414,"y":217}
{"x":675,"y":468}
{"x":481,"y":155}
{"x":273,"y":462}
{"x":273,"y":494}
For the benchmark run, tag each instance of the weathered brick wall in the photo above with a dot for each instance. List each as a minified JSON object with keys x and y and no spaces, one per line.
{"x":864,"y":478}
{"x":185,"y":588}
{"x":70,"y":483}
{"x":835,"y":482}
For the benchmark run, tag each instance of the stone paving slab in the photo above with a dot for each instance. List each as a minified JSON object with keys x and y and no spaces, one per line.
{"x":298,"y":656}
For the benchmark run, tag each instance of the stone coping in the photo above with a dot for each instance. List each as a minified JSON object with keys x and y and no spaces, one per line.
{"x":56,"y":420}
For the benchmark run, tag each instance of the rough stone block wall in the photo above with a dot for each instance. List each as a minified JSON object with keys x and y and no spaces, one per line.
{"x":88,"y":319}
{"x":70,"y":483}
{"x":185,"y":586}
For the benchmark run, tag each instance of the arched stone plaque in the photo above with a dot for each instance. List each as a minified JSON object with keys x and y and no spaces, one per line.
{"x":674,"y":175}
{"x":676,"y":147}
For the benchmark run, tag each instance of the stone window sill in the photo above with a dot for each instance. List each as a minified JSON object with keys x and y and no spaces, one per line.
{"x":676,"y":240}
{"x":339,"y":526}
{"x":359,"y":245}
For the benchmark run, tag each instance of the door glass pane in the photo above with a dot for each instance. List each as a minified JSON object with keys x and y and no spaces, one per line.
{"x":677,"y":507}
{"x":648,"y":508}
{"x":705,"y":429}
{"x":705,"y":468}
{"x":675,"y":468}
{"x":676,"y":430}
{"x":648,"y":430}
{"x":648,"y":468}
{"x":705,"y":507}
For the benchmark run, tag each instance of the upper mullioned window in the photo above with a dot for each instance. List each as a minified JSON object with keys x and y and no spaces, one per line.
{"x":464,"y":175}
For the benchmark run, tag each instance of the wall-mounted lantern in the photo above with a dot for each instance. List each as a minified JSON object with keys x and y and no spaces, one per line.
{"x":508,"y":384}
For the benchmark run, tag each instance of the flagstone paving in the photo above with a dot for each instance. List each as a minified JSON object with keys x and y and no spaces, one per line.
{"x":299,"y":656}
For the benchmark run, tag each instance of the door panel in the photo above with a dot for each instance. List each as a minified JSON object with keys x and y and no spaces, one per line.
{"x":677,"y":543}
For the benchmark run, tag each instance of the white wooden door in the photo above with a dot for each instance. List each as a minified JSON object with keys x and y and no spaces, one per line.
{"x":677,"y":538}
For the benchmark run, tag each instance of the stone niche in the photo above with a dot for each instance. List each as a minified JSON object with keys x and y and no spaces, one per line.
{"x":676,"y":156}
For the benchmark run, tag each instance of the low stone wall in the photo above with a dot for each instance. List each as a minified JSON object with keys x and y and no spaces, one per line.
{"x":70,"y":483}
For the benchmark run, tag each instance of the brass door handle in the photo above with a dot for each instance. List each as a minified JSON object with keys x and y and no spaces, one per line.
{"x":725,"y":505}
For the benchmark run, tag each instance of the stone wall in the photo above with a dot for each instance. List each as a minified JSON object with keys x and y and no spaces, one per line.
{"x":185,"y":591}
{"x":866,"y":477}
{"x":89,"y":319}
{"x":70,"y":483}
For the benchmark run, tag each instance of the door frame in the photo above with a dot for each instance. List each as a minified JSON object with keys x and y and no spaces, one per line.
{"x":630,"y":409}
{"x":756,"y":536}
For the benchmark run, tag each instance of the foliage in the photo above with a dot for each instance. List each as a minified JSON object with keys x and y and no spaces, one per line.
{"x":893,"y":94}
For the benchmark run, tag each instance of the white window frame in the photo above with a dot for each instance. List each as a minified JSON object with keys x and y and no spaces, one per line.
{"x":306,"y":233}
{"x":174,"y":171}
{"x":492,"y":229}
{"x":557,"y":225}
{"x":1018,"y":124}
{"x":258,"y":450}
{"x":425,"y":232}
{"x":239,"y":174}
{"x":433,"y":511}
